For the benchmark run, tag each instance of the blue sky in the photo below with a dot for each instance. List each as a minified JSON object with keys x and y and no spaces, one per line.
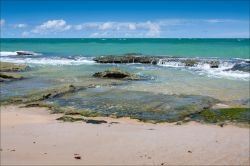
{"x":148,"y":18}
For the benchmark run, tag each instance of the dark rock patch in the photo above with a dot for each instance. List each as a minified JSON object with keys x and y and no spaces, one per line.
{"x":23,"y":53}
{"x":116,"y":74}
{"x":10,"y":77}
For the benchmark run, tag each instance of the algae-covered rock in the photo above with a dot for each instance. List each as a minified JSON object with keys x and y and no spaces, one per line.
{"x":116,"y":74}
{"x":75,"y":119}
{"x":190,"y":62}
{"x":45,"y":94}
{"x":225,"y":114}
{"x":129,"y":58}
{"x":69,"y":119}
{"x":12,"y":67}
{"x":145,"y":106}
{"x":10,"y":76}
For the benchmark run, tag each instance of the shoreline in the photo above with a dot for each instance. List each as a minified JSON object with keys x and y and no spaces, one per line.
{"x":34,"y":136}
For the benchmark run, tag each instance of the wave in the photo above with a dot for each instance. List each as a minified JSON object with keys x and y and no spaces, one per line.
{"x":203,"y":67}
{"x":14,"y":53}
{"x":50,"y":61}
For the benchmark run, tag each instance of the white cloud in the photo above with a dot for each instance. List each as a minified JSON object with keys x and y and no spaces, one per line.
{"x":223,"y":21}
{"x":155,"y":28}
{"x":52,"y":25}
{"x":2,"y":22}
{"x":151,"y":29}
{"x":25,"y":34}
{"x":20,"y":25}
{"x":106,"y":25}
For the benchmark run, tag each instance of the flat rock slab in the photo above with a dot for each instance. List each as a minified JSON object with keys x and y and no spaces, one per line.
{"x":144,"y":106}
{"x":12,"y":67}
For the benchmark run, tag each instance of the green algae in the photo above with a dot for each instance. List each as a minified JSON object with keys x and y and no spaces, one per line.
{"x":12,"y":67}
{"x":69,"y":119}
{"x":43,"y":95}
{"x":75,"y":119}
{"x":238,"y":115}
{"x":116,"y":73}
{"x":85,"y":113}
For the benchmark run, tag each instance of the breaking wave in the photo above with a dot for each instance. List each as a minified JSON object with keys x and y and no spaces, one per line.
{"x":204,"y":68}
{"x":14,"y":53}
{"x":50,"y":61}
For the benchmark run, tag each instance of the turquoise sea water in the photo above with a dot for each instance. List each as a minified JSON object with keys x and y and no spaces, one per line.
{"x":58,"y":62}
{"x":222,"y":48}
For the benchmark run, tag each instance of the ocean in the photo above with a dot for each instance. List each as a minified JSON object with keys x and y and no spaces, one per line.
{"x":59,"y":62}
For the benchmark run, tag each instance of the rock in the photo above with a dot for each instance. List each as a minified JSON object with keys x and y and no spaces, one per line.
{"x":245,"y":67}
{"x":10,"y":77}
{"x":69,"y":119}
{"x":93,"y":121}
{"x":45,"y":94}
{"x":12,"y":67}
{"x":21,"y":53}
{"x":144,"y":106}
{"x":190,"y":62}
{"x":116,"y":74}
{"x":214,"y":64}
{"x":127,"y":59}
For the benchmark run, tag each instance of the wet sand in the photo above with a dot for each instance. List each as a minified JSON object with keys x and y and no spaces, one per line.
{"x":32,"y":136}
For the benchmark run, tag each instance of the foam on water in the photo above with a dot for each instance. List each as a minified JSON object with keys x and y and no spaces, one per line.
{"x":49,"y":61}
{"x":14,"y":53}
{"x":203,"y":68}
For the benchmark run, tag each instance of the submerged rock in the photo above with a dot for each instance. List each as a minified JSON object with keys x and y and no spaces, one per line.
{"x":116,"y":74}
{"x":44,"y":95}
{"x":10,"y":77}
{"x":245,"y":67}
{"x":145,"y":106}
{"x":21,"y":53}
{"x":12,"y":67}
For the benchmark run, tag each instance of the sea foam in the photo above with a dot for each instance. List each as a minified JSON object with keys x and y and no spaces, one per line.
{"x":49,"y":61}
{"x":203,"y":68}
{"x":14,"y":53}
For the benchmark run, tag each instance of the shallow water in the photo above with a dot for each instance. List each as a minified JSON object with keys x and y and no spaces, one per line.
{"x":61,"y":62}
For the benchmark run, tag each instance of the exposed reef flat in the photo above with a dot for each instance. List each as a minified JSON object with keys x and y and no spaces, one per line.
{"x":91,"y":101}
{"x":12,"y":67}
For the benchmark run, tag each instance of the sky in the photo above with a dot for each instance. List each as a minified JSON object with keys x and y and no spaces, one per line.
{"x":124,"y":18}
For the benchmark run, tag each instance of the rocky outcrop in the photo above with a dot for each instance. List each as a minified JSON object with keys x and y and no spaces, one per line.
{"x":116,"y":74}
{"x":190,"y":62}
{"x":214,"y":64}
{"x":127,"y":59}
{"x":12,"y":67}
{"x":10,"y":77}
{"x":245,"y":67}
{"x":7,"y":70}
{"x":23,"y":53}
{"x":135,"y":58}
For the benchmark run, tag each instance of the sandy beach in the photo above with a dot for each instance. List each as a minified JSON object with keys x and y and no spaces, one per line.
{"x":32,"y":136}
